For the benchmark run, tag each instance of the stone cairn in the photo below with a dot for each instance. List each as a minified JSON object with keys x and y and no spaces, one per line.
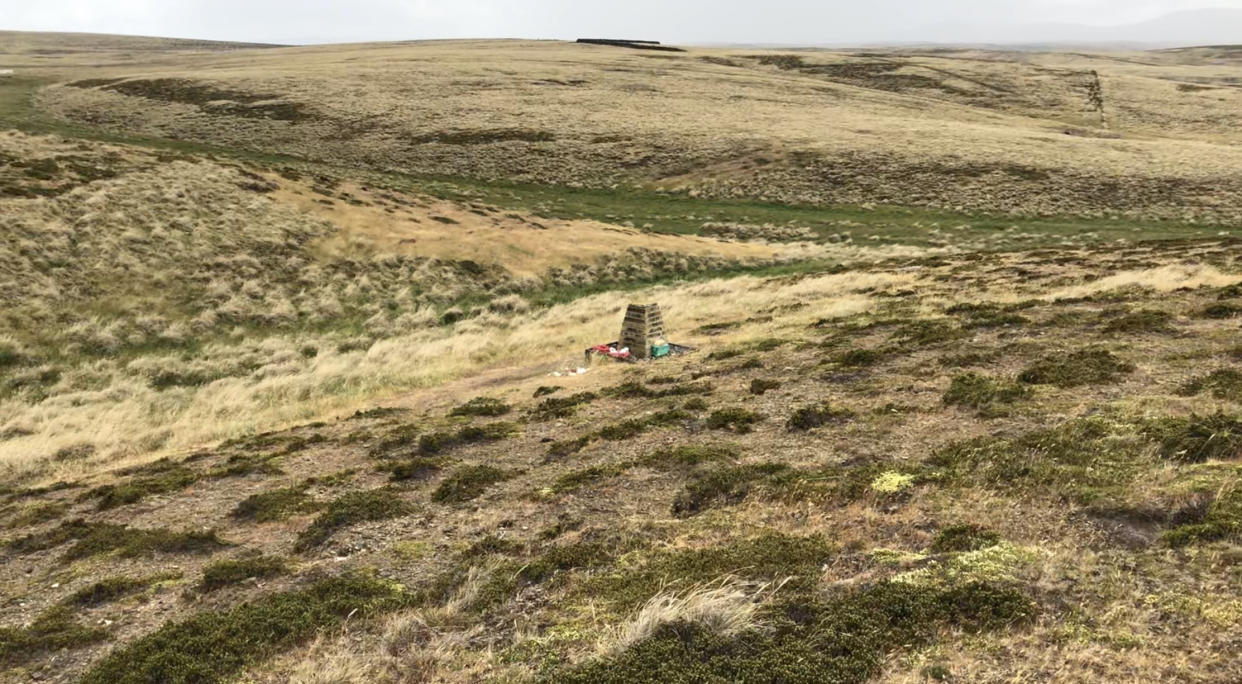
{"x":643,"y":327}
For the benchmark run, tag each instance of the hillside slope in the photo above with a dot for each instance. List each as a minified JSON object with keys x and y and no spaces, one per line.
{"x":978,"y":131}
{"x":284,"y":335}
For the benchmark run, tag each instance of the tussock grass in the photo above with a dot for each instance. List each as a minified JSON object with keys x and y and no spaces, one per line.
{"x":725,"y":608}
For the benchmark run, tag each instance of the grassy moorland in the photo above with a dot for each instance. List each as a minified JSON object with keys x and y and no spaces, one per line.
{"x":275,"y":391}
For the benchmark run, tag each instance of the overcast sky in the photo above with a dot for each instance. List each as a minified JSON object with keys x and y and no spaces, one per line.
{"x":684,"y":21}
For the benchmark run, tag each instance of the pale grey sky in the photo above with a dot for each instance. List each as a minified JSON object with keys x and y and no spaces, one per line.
{"x":685,"y":21}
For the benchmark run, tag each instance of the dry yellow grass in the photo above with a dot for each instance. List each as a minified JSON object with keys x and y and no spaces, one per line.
{"x":976,"y":130}
{"x":523,"y":245}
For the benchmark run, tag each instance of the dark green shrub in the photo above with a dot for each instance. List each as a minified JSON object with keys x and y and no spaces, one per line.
{"x":624,"y":430}
{"x":545,"y":390}
{"x":963,"y":537}
{"x":560,"y":407}
{"x":173,"y":478}
{"x":229,"y":572}
{"x":760,"y":386}
{"x":107,"y":591}
{"x":628,"y":429}
{"x":817,"y":415}
{"x":845,"y":638}
{"x":1221,"y":311}
{"x":637,"y":390}
{"x":587,"y":476}
{"x":131,"y":542}
{"x":54,"y":630}
{"x":1222,"y":521}
{"x":568,"y":447}
{"x":468,"y":483}
{"x":438,"y":442}
{"x":37,"y":513}
{"x":1141,"y":321}
{"x":1198,"y":438}
{"x":277,"y":504}
{"x":689,"y":456}
{"x":417,"y":468}
{"x":378,"y":412}
{"x":61,"y":534}
{"x":214,"y":646}
{"x":980,"y":391}
{"x":928,"y":332}
{"x":1085,"y":459}
{"x":1087,"y":367}
{"x":726,"y":486}
{"x":351,"y":509}
{"x":696,"y":404}
{"x":1225,"y":383}
{"x":738,"y":420}
{"x":858,"y":358}
{"x":482,"y":406}
{"x":396,"y":441}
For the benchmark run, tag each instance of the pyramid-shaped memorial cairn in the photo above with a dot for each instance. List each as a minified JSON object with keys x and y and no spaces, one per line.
{"x":642,"y":330}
